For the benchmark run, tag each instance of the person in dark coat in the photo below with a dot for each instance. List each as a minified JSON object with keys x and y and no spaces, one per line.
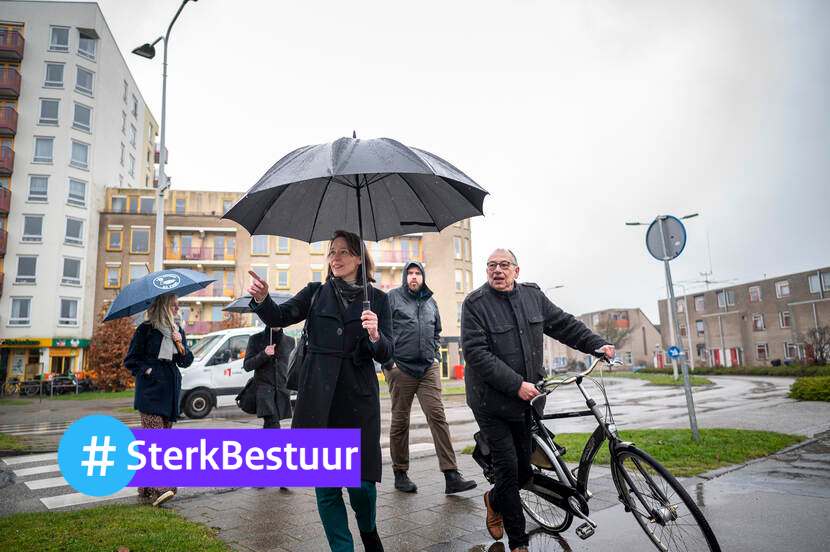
{"x":158,"y":348}
{"x":338,"y":387}
{"x":416,"y":333}
{"x":267,"y":355}
{"x":503,"y":324}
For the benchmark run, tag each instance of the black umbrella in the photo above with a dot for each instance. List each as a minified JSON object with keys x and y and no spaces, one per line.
{"x":374,"y":188}
{"x":243,"y":304}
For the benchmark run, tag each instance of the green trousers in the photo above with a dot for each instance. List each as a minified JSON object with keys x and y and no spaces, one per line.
{"x":332,"y":511}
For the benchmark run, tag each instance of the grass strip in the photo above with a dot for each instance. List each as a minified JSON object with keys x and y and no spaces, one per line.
{"x":94,"y":395}
{"x":661,"y":379}
{"x":105,"y":528}
{"x":13,"y":402}
{"x":11,"y":442}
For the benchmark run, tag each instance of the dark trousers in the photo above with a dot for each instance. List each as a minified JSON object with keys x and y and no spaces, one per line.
{"x":332,"y":511}
{"x":509,"y":442}
{"x":271,"y":422}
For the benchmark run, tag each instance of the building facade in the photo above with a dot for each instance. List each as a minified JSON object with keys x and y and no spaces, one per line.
{"x":73,"y":123}
{"x":757,"y":323}
{"x":195,"y":237}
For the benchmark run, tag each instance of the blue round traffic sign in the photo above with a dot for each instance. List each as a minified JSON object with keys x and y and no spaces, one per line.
{"x":674,"y":352}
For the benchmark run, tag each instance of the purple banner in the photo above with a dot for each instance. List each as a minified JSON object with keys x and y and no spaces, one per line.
{"x":245,"y":458}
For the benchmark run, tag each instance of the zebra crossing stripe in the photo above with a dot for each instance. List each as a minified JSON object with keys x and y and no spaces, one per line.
{"x":15,"y":460}
{"x":46,"y":483}
{"x":23,"y":472}
{"x":75,"y":499}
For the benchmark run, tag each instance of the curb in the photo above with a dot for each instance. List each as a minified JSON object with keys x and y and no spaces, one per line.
{"x":708,"y":476}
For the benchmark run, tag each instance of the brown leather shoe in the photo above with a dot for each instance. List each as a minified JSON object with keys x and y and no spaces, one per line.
{"x":520,"y":549}
{"x":495,"y":525}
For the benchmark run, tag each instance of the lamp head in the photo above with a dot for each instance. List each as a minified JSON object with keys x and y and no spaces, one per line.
{"x":146,"y":50}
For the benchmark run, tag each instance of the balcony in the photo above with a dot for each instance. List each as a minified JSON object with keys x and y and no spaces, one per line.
{"x":1,"y":279}
{"x":391,"y":257}
{"x":4,"y":236}
{"x":210,"y":294}
{"x":9,"y":82}
{"x":5,"y":201}
{"x":158,"y":155}
{"x":202,"y":327}
{"x":11,"y":45}
{"x":621,"y":323}
{"x":199,"y":255}
{"x":6,"y":161}
{"x":8,"y":121}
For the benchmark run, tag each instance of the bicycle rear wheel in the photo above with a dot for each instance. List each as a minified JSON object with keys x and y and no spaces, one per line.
{"x":663,"y":508}
{"x":548,"y":515}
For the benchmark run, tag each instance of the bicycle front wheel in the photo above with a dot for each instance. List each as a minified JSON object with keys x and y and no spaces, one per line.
{"x":661,"y":505}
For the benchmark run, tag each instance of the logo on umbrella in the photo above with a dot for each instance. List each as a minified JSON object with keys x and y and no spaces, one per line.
{"x":167,"y":281}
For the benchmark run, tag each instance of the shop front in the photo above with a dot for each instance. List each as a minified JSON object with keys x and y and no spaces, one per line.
{"x":31,"y":358}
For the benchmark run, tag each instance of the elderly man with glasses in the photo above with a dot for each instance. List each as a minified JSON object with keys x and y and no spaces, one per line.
{"x":502,"y":327}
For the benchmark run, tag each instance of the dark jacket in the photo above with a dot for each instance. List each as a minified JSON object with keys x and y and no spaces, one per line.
{"x":157,"y":393}
{"x":338,"y":387}
{"x":501,"y":336}
{"x":416,"y":326}
{"x":270,"y":372}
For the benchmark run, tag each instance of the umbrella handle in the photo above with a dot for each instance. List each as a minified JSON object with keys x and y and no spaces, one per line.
{"x":367,"y":306}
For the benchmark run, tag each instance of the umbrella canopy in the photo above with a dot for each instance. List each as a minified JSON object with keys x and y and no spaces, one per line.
{"x":138,"y":295}
{"x":374,"y":188}
{"x":243,"y":304}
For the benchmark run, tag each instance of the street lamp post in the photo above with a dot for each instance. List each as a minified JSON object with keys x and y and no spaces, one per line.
{"x":148,"y":51}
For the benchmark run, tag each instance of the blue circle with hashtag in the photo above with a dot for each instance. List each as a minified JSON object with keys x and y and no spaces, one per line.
{"x":93,"y":455}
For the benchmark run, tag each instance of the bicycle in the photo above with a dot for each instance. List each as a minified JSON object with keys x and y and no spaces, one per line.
{"x":555,"y":495}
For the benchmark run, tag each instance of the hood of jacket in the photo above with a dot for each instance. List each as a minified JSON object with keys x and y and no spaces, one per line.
{"x":425,"y":292}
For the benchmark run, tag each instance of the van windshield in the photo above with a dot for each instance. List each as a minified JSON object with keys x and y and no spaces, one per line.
{"x":203,"y":346}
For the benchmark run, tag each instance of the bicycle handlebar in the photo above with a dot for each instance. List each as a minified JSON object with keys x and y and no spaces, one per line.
{"x":610,"y":362}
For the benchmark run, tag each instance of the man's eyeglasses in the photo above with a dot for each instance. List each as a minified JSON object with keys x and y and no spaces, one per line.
{"x":504,"y":265}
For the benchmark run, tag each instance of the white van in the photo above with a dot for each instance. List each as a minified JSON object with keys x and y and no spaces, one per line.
{"x":216,"y":376}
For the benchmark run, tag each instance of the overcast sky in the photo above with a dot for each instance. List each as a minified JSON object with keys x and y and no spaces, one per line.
{"x":576,"y":117}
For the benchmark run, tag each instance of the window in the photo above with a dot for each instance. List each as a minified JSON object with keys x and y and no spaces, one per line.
{"x":699,"y":328}
{"x":761,"y":351}
{"x":469,"y":280}
{"x":38,"y":188}
{"x":131,"y":166}
{"x":459,"y":280}
{"x":32,"y":228}
{"x":758,"y":322}
{"x":150,"y":132}
{"x":138,"y":270}
{"x":132,"y":135}
{"x":54,"y":75}
{"x":259,"y":245}
{"x":74,"y":231}
{"x":113,"y":277}
{"x":317,"y":275}
{"x":83,"y":81}
{"x":80,"y":155}
{"x":825,"y":280}
{"x":134,"y":106}
{"x":148,"y":204}
{"x":121,"y":156}
{"x":282,"y":278}
{"x":261,"y":271}
{"x":123,"y":123}
{"x":790,"y":350}
{"x":124,"y":95}
{"x":86,"y":45}
{"x":726,"y":298}
{"x":26,"y":270}
{"x":466,"y":249}
{"x":226,"y":203}
{"x":216,"y":315}
{"x":43,"y":150}
{"x":782,"y":289}
{"x":59,"y":39}
{"x":48,"y":112}
{"x":69,"y":312}
{"x":139,"y":240}
{"x":700,"y":304}
{"x":456,"y":242}
{"x":120,"y":180}
{"x":115,"y":239}
{"x":71,"y":271}
{"x":681,"y":305}
{"x":683,"y":331}
{"x":77,"y":192}
{"x":21,"y":309}
{"x":181,"y":205}
{"x":83,"y":117}
{"x":755,"y":294}
{"x":118,"y":204}
{"x":317,"y":248}
{"x":458,"y":309}
{"x":627,"y":358}
{"x":785,"y":319}
{"x":283,"y":244}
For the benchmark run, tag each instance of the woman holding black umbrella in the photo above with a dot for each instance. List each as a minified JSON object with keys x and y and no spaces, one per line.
{"x":338,"y":387}
{"x":156,"y":351}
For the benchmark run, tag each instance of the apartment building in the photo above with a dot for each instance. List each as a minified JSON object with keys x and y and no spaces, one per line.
{"x":633,"y":334}
{"x":72,"y":123}
{"x":753,"y":324}
{"x":195,"y":237}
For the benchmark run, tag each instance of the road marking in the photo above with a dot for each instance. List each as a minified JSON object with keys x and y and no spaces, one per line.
{"x":23,"y":472}
{"x":30,"y":458}
{"x":46,"y":483}
{"x":75,"y":499}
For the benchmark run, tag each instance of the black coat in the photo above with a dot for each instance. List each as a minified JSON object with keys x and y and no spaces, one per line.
{"x":338,"y":387}
{"x":270,"y":373}
{"x":158,"y":392}
{"x":501,"y":336}
{"x":416,"y":327}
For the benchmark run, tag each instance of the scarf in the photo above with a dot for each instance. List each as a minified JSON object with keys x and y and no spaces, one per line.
{"x":168,"y":346}
{"x":346,"y":290}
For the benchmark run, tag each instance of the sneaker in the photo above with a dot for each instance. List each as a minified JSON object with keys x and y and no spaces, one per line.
{"x":403,"y":483}
{"x":164,"y":497}
{"x":456,"y":483}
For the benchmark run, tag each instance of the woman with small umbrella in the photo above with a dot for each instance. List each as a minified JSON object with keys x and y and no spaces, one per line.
{"x":156,"y":351}
{"x":338,"y":387}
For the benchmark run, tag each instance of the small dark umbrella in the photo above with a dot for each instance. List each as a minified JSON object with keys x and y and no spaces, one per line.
{"x":374,"y":188}
{"x":138,"y":295}
{"x":243,"y":305}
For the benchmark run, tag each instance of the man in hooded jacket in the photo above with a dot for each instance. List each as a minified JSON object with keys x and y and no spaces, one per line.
{"x":414,"y":370}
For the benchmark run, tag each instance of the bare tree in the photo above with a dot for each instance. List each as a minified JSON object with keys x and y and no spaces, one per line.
{"x":817,"y":341}
{"x":608,"y":330}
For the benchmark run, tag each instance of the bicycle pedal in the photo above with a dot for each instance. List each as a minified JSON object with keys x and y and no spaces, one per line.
{"x":584,"y":531}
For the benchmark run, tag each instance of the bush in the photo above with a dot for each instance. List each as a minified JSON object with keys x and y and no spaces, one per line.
{"x":811,"y":389}
{"x":792,"y":371}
